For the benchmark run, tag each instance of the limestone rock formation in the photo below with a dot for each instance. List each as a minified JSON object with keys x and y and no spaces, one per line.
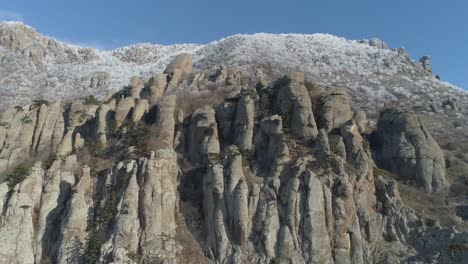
{"x":238,"y":173}
{"x":408,"y":149}
{"x":294,"y":105}
{"x":158,"y":87}
{"x":426,"y":63}
{"x":203,"y":138}
{"x":17,"y":229}
{"x":182,"y":62}
{"x":124,"y":107}
{"x":333,"y":109}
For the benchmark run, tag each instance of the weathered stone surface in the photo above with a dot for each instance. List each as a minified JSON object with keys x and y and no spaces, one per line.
{"x":315,"y":229}
{"x":236,"y":195}
{"x":409,"y":150}
{"x":157,"y":87}
{"x":74,"y":224}
{"x":375,"y":42}
{"x":141,"y":108}
{"x":17,"y":231}
{"x":56,"y":190}
{"x":294,"y":105}
{"x":135,"y":87}
{"x":182,"y":62}
{"x":333,"y":109}
{"x":203,"y":138}
{"x":66,"y":145}
{"x":178,"y":69}
{"x":103,"y":114}
{"x":322,"y":147}
{"x":271,"y":150}
{"x":165,"y":122}
{"x":426,"y":63}
{"x":127,"y":227}
{"x":244,"y":123}
{"x":159,"y":205}
{"x":360,"y":119}
{"x":123,"y":109}
{"x":256,"y":193}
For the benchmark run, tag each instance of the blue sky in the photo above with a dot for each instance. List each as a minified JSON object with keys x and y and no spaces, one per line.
{"x":438,"y":28}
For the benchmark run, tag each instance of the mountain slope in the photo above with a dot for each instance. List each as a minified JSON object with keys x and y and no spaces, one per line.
{"x":259,"y":148}
{"x":39,"y":67}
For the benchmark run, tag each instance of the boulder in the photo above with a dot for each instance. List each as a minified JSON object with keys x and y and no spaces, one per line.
{"x":407,"y":148}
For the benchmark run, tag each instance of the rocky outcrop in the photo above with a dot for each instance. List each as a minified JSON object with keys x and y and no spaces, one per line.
{"x":124,"y":107}
{"x":74,"y":227}
{"x":322,"y":147}
{"x":271,"y":150}
{"x":408,"y":149}
{"x":158,"y":203}
{"x":333,"y":109}
{"x":178,"y":69}
{"x":294,"y":105}
{"x":203,"y":137}
{"x":127,"y":227}
{"x":57,"y":187}
{"x":182,"y":62}
{"x":360,"y":119}
{"x":157,"y":87}
{"x":238,"y":181}
{"x":244,"y":122}
{"x":17,"y":230}
{"x":426,"y":63}
{"x":141,"y":108}
{"x":375,"y":42}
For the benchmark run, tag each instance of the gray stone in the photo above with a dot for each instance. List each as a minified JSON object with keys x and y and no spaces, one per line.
{"x":409,"y":150}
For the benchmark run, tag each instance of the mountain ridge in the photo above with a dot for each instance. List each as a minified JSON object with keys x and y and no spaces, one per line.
{"x":252,"y":149}
{"x":35,"y":71}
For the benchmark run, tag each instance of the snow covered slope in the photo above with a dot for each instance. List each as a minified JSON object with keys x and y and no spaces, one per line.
{"x":35,"y":66}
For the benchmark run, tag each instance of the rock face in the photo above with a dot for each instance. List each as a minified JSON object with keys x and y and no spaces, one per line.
{"x":17,"y":230}
{"x":333,"y":109}
{"x":245,"y":178}
{"x":426,"y":63}
{"x":182,"y":62}
{"x":294,"y":105}
{"x":408,"y":149}
{"x":158,"y":206}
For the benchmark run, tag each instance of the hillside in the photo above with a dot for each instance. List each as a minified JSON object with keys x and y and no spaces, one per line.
{"x":264,"y":148}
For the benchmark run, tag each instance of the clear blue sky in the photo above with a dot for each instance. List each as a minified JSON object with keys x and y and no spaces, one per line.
{"x":438,"y":28}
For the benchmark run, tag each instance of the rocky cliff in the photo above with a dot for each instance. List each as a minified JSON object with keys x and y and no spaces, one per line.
{"x":233,"y":164}
{"x":259,"y":172}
